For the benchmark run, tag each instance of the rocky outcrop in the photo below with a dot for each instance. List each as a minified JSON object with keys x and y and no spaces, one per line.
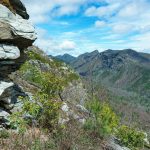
{"x":19,"y":8}
{"x":18,"y":31}
{"x":9,"y":52}
{"x":16,"y":34}
{"x":75,"y":93}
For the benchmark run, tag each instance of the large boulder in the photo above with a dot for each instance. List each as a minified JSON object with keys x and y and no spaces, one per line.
{"x":15,"y":30}
{"x":9,"y":93}
{"x":4,"y":86}
{"x":9,"y":52}
{"x":75,"y":92}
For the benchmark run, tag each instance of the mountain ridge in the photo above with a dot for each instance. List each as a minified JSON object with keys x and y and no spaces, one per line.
{"x":118,"y":70}
{"x":66,"y":57}
{"x":121,"y":77}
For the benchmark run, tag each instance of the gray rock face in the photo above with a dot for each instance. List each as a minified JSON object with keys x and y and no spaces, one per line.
{"x":9,"y":93}
{"x":9,"y":52}
{"x":19,"y":8}
{"x":18,"y":31}
{"x":5,"y":31}
{"x":75,"y":92}
{"x":3,"y":114}
{"x":72,"y":112}
{"x":16,"y":34}
{"x":4,"y":86}
{"x":114,"y":146}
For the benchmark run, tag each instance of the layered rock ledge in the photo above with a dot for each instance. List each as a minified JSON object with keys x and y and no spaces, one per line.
{"x":16,"y":34}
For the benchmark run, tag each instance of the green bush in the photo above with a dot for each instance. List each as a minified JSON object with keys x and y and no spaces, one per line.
{"x":104,"y":120}
{"x":37,"y":56}
{"x":18,"y":122}
{"x":51,"y":81}
{"x":4,"y":134}
{"x":42,"y":109}
{"x":131,"y":137}
{"x":48,"y":82}
{"x":50,"y":110}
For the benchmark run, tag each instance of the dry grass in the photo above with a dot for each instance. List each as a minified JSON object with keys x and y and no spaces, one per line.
{"x":72,"y":137}
{"x":32,"y":138}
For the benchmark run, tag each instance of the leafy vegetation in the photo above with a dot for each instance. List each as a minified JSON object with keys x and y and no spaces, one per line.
{"x":41,"y":111}
{"x":104,"y":120}
{"x":4,"y":134}
{"x":131,"y":137}
{"x":47,"y":81}
{"x":49,"y":77}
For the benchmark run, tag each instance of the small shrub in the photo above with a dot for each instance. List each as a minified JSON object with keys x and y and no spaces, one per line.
{"x":42,"y":109}
{"x":131,"y":137}
{"x":17,"y":122}
{"x":48,"y":82}
{"x":4,"y":134}
{"x":38,"y":56}
{"x":104,"y":120}
{"x":73,"y":76}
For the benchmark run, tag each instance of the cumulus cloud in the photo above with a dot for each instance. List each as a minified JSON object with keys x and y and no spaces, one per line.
{"x":117,"y":24}
{"x":53,"y":45}
{"x":122,"y":28}
{"x":134,"y":9}
{"x":103,"y":11}
{"x":67,"y":45}
{"x":135,"y":12}
{"x":100,"y":24}
{"x":128,"y":23}
{"x":43,"y":11}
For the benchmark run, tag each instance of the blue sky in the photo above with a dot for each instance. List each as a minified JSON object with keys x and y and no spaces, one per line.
{"x":79,"y":26}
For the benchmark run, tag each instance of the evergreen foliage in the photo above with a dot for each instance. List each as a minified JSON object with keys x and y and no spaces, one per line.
{"x":104,"y":120}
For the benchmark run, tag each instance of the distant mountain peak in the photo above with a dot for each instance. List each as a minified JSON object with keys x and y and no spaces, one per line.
{"x":95,"y":51}
{"x":66,"y":58}
{"x":108,"y":58}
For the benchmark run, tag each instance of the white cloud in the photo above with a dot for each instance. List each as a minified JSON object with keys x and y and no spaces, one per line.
{"x":66,"y":10}
{"x":39,"y":10}
{"x":53,"y":45}
{"x":122,"y":28}
{"x":134,"y":9}
{"x":116,"y":20}
{"x":67,"y":45}
{"x":133,"y":12}
{"x":128,"y":23}
{"x":103,"y":11}
{"x":100,"y":24}
{"x":140,"y":42}
{"x":43,"y":11}
{"x":91,"y":11}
